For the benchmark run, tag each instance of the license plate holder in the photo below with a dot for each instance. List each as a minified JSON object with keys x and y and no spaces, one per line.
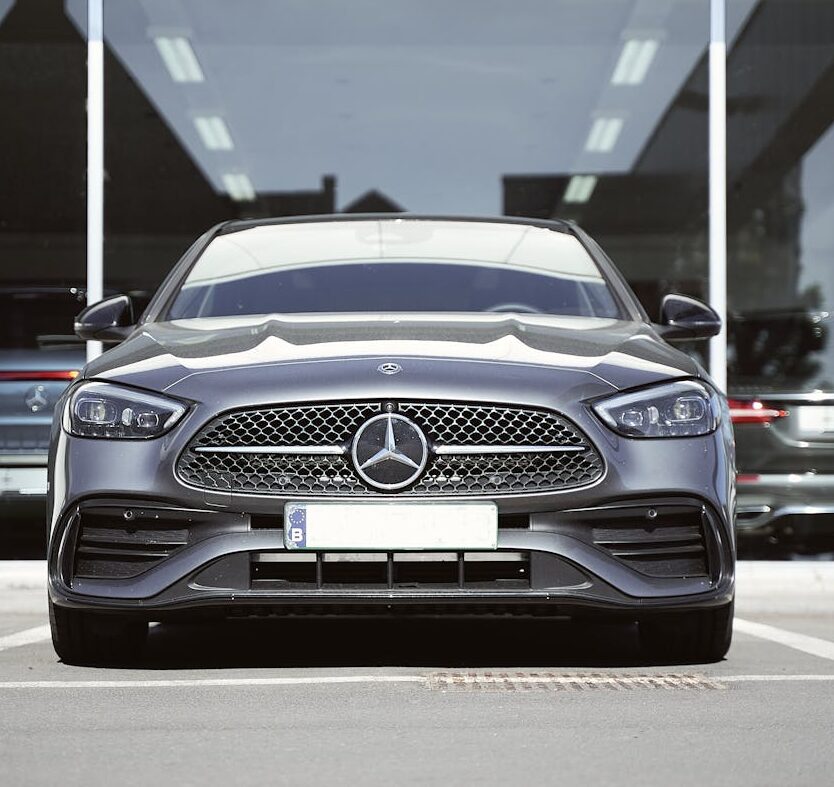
{"x":390,"y":527}
{"x":815,"y":420}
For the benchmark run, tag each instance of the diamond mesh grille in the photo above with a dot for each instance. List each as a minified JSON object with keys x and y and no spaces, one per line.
{"x":469,"y":424}
{"x":321,"y":424}
{"x":336,"y":423}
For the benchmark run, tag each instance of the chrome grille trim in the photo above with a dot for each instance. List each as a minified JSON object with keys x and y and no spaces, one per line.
{"x":338,"y":450}
{"x":472,"y":450}
{"x":280,"y":450}
{"x":476,"y":450}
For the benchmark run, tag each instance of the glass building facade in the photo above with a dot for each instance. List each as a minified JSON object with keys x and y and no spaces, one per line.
{"x":595,"y":110}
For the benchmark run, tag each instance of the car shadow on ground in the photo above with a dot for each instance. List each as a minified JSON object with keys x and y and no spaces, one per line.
{"x":424,"y":643}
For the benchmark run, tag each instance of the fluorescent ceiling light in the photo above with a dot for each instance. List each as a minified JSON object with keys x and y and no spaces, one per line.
{"x":214,"y":132}
{"x":239,"y":187}
{"x":179,"y":59}
{"x":580,"y":188}
{"x":603,"y":135}
{"x":634,"y":62}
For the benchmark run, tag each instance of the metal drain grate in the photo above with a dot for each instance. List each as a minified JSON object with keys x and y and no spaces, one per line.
{"x":556,"y":681}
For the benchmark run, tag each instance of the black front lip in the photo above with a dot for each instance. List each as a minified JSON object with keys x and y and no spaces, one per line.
{"x":353,"y":604}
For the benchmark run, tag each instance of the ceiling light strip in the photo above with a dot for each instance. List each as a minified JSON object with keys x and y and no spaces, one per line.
{"x":580,"y":188}
{"x":604,"y":133}
{"x":179,"y":58}
{"x":239,"y":187}
{"x":213,"y":132}
{"x":635,"y":60}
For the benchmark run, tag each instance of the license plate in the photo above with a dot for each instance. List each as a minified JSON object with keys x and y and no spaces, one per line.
{"x":815,"y":420}
{"x":23,"y":480}
{"x":391,"y":526}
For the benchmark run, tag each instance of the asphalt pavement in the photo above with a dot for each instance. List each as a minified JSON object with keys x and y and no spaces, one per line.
{"x":426,"y":702}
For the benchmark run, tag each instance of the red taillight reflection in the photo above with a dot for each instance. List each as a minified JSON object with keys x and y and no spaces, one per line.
{"x":37,"y":376}
{"x":754,"y":412}
{"x":747,"y":478}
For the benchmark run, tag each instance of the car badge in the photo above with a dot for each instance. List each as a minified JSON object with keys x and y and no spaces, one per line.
{"x":36,"y":398}
{"x":389,"y":368}
{"x":389,"y":451}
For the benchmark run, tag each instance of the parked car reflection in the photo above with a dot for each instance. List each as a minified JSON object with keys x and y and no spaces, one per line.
{"x":39,"y":356}
{"x":782,"y":405}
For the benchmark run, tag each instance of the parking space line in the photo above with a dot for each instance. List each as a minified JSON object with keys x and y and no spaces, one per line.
{"x":26,"y":637}
{"x":424,"y":680}
{"x":813,"y":645}
{"x":772,"y":678}
{"x":209,"y":682}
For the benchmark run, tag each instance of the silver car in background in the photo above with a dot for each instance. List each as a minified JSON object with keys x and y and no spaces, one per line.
{"x":782,"y":408}
{"x":39,"y":357}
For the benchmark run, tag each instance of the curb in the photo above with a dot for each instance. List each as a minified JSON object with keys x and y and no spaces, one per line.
{"x":22,"y":574}
{"x":785,"y":578}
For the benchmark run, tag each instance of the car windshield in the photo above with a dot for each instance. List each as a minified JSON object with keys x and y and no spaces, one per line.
{"x":30,"y":319}
{"x":394,"y":266}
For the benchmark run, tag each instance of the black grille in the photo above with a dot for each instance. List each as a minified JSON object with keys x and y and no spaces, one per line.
{"x":468,"y":424}
{"x":445,"y":424}
{"x":666,"y":541}
{"x":392,"y":571}
{"x":323,"y":424}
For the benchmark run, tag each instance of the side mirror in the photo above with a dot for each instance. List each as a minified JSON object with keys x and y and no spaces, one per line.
{"x":110,"y":320}
{"x":683,"y":318}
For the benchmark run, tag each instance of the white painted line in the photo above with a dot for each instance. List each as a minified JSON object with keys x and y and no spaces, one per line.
{"x":209,"y":682}
{"x":813,"y":645}
{"x":26,"y":637}
{"x":349,"y":679}
{"x":772,"y":678}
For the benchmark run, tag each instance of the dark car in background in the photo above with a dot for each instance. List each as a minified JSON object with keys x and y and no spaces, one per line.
{"x":392,"y":415}
{"x":782,"y":407}
{"x":39,"y":357}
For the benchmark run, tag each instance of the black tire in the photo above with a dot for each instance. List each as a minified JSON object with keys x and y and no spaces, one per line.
{"x":702,"y":636}
{"x":94,"y":639}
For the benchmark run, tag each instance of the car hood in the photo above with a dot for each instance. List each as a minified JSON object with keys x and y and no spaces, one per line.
{"x":181,"y":354}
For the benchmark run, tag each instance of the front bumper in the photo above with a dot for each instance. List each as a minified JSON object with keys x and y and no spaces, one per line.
{"x":222,"y":554}
{"x":624,"y":557}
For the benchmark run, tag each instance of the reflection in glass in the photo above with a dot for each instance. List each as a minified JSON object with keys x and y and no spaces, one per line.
{"x":42,"y":144}
{"x":591,"y":110}
{"x":781,"y":209}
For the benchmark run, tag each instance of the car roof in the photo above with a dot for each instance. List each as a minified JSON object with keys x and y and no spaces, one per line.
{"x":237,"y":225}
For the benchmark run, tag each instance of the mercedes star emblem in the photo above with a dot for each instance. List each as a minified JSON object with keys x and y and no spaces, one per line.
{"x":389,"y":368}
{"x":36,"y":398}
{"x":389,"y":451}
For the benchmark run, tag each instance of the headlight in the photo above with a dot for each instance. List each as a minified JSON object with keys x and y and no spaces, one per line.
{"x":110,"y":411}
{"x":682,"y":409}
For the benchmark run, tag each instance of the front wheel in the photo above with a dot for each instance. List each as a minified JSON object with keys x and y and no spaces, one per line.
{"x":700,"y":636}
{"x":88,"y":638}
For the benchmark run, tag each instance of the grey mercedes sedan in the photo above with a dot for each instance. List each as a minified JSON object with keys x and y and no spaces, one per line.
{"x":392,"y":414}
